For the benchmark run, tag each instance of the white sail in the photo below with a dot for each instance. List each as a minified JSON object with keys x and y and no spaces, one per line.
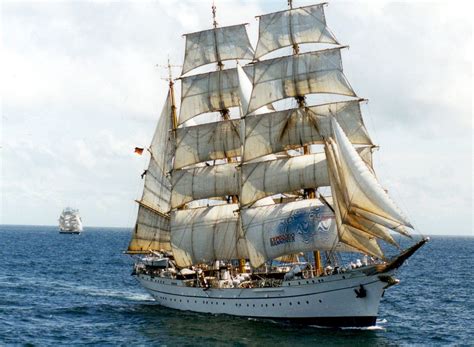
{"x":352,"y":229}
{"x":157,"y":187}
{"x":285,"y":28}
{"x":152,"y":232}
{"x":390,"y":224}
{"x":282,"y":130}
{"x":245,"y":93}
{"x":377,"y":230}
{"x":365,"y":153}
{"x":155,"y":201}
{"x":208,"y":92}
{"x":206,"y":234}
{"x":205,"y":182}
{"x":312,"y":72}
{"x":215,"y":45}
{"x":208,"y":141}
{"x":363,"y":189}
{"x":70,"y":221}
{"x":271,"y":177}
{"x":281,"y":229}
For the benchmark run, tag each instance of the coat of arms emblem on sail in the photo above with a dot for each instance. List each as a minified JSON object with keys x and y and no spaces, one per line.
{"x":304,"y":224}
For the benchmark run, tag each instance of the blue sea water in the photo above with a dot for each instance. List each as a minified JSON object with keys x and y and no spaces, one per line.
{"x":77,"y":289}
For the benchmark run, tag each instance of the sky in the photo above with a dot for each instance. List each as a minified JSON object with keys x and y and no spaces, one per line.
{"x":80,"y":89}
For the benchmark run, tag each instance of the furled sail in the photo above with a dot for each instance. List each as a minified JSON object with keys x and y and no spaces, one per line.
{"x":208,"y":92}
{"x":152,"y":226}
{"x":207,"y":234}
{"x":210,"y":141}
{"x":291,"y":76}
{"x":271,"y":177}
{"x":282,"y":130}
{"x":295,"y":26}
{"x":205,"y":182}
{"x":215,"y":45}
{"x":281,"y":229}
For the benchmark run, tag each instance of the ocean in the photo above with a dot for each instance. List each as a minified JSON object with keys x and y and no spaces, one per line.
{"x":77,"y":289}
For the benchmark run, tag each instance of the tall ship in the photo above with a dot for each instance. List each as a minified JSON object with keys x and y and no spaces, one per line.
{"x":70,"y":221}
{"x":260,"y":198}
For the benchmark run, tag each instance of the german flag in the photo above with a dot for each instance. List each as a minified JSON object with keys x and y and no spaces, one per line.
{"x":139,"y":150}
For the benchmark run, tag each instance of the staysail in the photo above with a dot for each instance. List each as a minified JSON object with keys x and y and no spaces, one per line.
{"x":152,"y":229}
{"x":363,"y":209}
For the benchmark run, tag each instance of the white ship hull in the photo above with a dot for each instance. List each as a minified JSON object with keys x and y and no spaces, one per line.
{"x":69,"y":231}
{"x":327,"y":301}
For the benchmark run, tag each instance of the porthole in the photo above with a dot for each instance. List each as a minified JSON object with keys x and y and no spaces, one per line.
{"x":320,"y":300}
{"x":291,"y":304}
{"x":299,"y":303}
{"x":307,"y":302}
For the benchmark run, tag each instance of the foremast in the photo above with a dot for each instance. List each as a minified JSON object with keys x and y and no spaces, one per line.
{"x":152,"y":228}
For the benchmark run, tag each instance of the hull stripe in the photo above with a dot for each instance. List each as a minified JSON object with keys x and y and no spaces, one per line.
{"x":257,"y":297}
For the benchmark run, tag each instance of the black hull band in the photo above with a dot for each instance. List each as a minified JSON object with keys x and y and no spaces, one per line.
{"x":336,"y":322}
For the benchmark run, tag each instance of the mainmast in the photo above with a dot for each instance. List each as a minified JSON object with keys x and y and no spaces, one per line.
{"x":309,"y":193}
{"x":297,"y":75}
{"x":224,"y":111}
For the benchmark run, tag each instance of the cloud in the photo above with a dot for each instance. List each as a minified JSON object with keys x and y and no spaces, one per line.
{"x":80,"y":90}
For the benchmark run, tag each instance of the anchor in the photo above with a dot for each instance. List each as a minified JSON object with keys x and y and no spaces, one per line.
{"x":361,"y":292}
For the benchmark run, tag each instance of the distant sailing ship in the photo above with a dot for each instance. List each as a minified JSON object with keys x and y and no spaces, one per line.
{"x":70,"y":221}
{"x":233,"y":218}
